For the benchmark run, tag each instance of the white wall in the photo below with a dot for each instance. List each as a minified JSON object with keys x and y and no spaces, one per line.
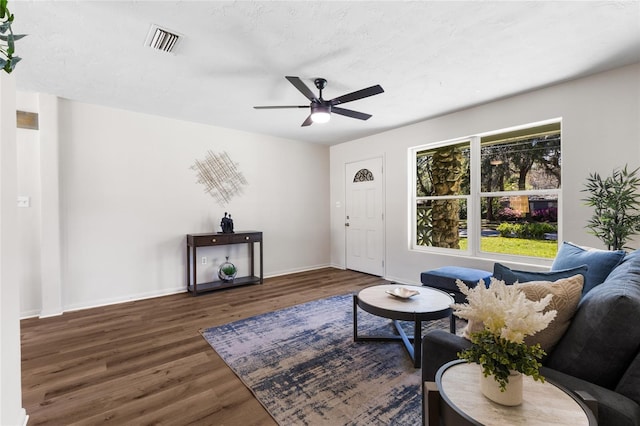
{"x":11,"y":411}
{"x":29,"y":220}
{"x":39,"y":245}
{"x":600,"y":131}
{"x":128,"y":197}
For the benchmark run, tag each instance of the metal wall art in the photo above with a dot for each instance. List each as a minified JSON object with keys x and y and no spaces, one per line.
{"x":220,"y":176}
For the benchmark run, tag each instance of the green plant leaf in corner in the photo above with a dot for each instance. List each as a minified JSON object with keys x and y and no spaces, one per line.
{"x":7,"y":39}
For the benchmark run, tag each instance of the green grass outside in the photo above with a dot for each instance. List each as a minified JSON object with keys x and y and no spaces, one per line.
{"x":516,"y":246}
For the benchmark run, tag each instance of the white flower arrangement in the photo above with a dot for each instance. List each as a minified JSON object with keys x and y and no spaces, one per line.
{"x":507,"y":316}
{"x":504,"y":310}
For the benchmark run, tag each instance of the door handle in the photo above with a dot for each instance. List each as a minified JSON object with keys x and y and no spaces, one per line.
{"x":346,"y":224}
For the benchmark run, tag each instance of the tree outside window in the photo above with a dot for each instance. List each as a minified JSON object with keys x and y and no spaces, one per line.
{"x":442,"y":178}
{"x":516,"y":199}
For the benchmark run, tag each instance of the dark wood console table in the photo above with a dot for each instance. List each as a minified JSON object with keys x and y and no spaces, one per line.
{"x":219,"y":239}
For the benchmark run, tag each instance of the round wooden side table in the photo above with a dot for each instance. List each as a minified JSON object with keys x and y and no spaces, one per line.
{"x":544,"y":404}
{"x":427,"y":305}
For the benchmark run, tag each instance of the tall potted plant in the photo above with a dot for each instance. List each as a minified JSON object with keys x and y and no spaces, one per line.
{"x":7,"y":39}
{"x":616,"y":202}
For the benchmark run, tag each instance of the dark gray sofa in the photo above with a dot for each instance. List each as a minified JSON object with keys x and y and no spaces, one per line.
{"x":598,"y":354}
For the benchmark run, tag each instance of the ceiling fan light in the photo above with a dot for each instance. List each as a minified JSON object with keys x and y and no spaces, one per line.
{"x":320,"y":117}
{"x":320,"y":113}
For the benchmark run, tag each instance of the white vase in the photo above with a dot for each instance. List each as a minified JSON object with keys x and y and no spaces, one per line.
{"x":512,"y":395}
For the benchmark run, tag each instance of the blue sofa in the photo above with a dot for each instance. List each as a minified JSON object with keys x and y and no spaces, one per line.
{"x":598,"y":354}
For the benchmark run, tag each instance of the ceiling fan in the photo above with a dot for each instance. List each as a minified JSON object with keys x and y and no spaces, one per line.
{"x":321,"y":109}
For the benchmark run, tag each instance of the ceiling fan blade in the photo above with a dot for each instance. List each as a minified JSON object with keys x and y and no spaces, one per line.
{"x":359,"y":94}
{"x":351,"y":113}
{"x":307,"y":122}
{"x":302,"y":88}
{"x":281,"y":106}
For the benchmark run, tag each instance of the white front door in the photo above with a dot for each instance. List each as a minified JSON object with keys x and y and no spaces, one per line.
{"x":364,"y":219}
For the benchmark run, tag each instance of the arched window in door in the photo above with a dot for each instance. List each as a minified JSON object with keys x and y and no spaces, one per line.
{"x":363,"y":175}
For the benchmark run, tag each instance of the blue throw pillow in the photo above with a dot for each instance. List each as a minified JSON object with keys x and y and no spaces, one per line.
{"x":510,"y":276}
{"x":600,"y":262}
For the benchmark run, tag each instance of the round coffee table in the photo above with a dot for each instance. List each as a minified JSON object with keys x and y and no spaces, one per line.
{"x":544,"y":404}
{"x":429,"y":304}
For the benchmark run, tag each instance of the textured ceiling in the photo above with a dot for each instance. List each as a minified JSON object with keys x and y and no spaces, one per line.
{"x":430,"y":57}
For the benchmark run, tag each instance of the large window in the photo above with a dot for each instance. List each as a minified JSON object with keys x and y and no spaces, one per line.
{"x":494,"y":193}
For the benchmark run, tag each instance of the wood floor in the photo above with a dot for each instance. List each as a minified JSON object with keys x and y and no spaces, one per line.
{"x":145,"y":362}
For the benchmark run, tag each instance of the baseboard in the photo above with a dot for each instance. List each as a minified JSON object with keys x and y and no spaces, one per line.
{"x":129,"y":298}
{"x":402,"y":281}
{"x":166,"y":292}
{"x":50,"y":314}
{"x":40,"y":314}
{"x":29,"y":314}
{"x":297,"y":270}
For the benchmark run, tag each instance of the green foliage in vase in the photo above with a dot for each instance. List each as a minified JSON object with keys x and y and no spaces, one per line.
{"x":498,"y":356}
{"x":507,"y":317}
{"x":616,"y":202}
{"x":228,"y":270}
{"x":7,"y":39}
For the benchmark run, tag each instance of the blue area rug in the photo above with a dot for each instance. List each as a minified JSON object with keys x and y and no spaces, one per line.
{"x":302,"y":364}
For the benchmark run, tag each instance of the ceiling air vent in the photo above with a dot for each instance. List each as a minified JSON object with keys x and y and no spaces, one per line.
{"x":162,"y":39}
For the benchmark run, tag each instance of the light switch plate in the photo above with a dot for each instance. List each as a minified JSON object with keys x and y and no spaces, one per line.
{"x":24,"y":201}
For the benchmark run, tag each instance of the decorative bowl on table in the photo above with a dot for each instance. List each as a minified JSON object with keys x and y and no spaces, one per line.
{"x":402,"y":293}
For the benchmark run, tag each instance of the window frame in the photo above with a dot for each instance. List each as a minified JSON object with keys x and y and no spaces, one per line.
{"x":475,"y":196}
